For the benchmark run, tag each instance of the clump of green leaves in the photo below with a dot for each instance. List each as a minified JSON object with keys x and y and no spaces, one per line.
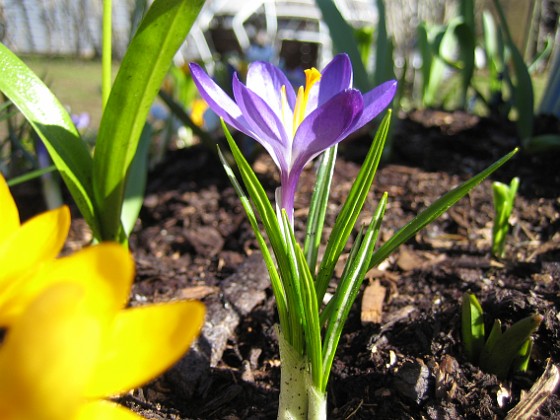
{"x":504,"y":198}
{"x":503,"y":351}
{"x":107,"y":186}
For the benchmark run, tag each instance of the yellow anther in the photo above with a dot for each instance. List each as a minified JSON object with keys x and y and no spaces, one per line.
{"x":312,"y":76}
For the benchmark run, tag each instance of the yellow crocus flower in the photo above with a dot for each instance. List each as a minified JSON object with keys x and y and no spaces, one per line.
{"x":69,"y":342}
{"x":25,"y":247}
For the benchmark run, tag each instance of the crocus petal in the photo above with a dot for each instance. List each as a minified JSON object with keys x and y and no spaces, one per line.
{"x":108,"y":266}
{"x":335,"y":78}
{"x":38,"y":240}
{"x":106,"y":410}
{"x":325,"y":127}
{"x":142,"y":343}
{"x":267,"y":127}
{"x":217,"y":99}
{"x":8,"y":211}
{"x":375,"y":101}
{"x":48,"y":355}
{"x":266,"y":80}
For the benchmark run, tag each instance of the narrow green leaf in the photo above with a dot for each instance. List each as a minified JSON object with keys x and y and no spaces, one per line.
{"x":384,"y":63}
{"x":472,"y":322}
{"x":423,"y":41}
{"x":30,"y":175}
{"x":543,"y":143}
{"x":313,"y":345}
{"x":293,"y":287}
{"x":523,"y":93}
{"x":136,"y":182}
{"x":351,"y":209}
{"x":348,"y":289}
{"x":499,"y":354}
{"x":143,"y":68}
{"x":440,"y":206}
{"x":276,"y":283}
{"x":261,"y":202}
{"x":106,"y":50}
{"x":521,"y":361}
{"x":467,"y":44}
{"x":318,"y":207}
{"x":55,"y":128}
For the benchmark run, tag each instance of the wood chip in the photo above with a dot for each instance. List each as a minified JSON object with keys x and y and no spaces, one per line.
{"x":372,"y":303}
{"x":196,"y":292}
{"x":537,"y":395}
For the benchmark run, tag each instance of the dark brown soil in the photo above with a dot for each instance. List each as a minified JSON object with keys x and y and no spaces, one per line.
{"x":193,"y":240}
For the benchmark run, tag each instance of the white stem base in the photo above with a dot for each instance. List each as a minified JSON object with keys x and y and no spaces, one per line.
{"x":299,"y":399}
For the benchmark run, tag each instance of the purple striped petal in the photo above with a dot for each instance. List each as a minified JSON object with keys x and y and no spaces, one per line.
{"x":375,"y":101}
{"x":266,"y":80}
{"x":218,"y":100}
{"x":325,"y":127}
{"x":269,"y":130}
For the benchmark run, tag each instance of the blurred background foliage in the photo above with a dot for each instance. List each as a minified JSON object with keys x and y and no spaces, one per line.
{"x":446,"y":54}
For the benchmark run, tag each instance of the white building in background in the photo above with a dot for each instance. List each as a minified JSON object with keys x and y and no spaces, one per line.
{"x":73,"y":27}
{"x":61,"y":27}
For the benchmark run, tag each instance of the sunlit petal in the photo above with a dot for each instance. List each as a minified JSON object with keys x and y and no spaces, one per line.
{"x":267,"y":80}
{"x":269,"y":130}
{"x":375,"y":101}
{"x":336,"y":77}
{"x":38,"y":240}
{"x":325,"y":126}
{"x":105,"y":410}
{"x":48,"y":355}
{"x":143,"y":343}
{"x":217,"y":99}
{"x":107,"y":267}
{"x":9,"y":216}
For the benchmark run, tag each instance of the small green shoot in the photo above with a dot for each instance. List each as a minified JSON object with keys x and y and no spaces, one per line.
{"x":504,"y":198}
{"x":503,"y":351}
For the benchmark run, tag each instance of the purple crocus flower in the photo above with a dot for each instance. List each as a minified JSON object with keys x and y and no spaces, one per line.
{"x":295,"y":128}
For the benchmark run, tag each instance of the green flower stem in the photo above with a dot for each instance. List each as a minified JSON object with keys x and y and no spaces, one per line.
{"x":299,"y":399}
{"x":106,"y":54}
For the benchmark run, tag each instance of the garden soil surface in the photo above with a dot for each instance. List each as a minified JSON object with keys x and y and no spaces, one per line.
{"x":401,"y":355}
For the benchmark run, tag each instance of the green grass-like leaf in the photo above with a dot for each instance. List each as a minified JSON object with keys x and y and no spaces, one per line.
{"x":143,"y":68}
{"x":347,"y":291}
{"x":351,"y":209}
{"x":440,"y":206}
{"x":472,"y":323}
{"x":318,"y":207}
{"x":55,"y":128}
{"x":277,"y":287}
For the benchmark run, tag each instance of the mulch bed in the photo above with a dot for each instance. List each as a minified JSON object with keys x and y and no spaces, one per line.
{"x":193,"y":241}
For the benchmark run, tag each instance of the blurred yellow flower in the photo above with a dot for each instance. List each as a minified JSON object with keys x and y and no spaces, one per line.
{"x":69,"y":344}
{"x":199,"y":107}
{"x":25,"y":247}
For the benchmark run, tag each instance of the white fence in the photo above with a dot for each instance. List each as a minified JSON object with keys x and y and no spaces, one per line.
{"x":61,"y":27}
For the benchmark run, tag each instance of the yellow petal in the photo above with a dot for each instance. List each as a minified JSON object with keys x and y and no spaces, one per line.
{"x":38,"y":240}
{"x":105,"y":410}
{"x":48,"y":355}
{"x":108,"y":268}
{"x":143,"y":343}
{"x":8,"y":211}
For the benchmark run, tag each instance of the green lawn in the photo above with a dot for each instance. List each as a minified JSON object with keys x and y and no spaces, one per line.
{"x":76,"y":83}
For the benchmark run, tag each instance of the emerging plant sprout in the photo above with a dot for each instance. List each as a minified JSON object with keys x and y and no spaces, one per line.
{"x":501,"y":352}
{"x":504,"y":199}
{"x":295,"y":128}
